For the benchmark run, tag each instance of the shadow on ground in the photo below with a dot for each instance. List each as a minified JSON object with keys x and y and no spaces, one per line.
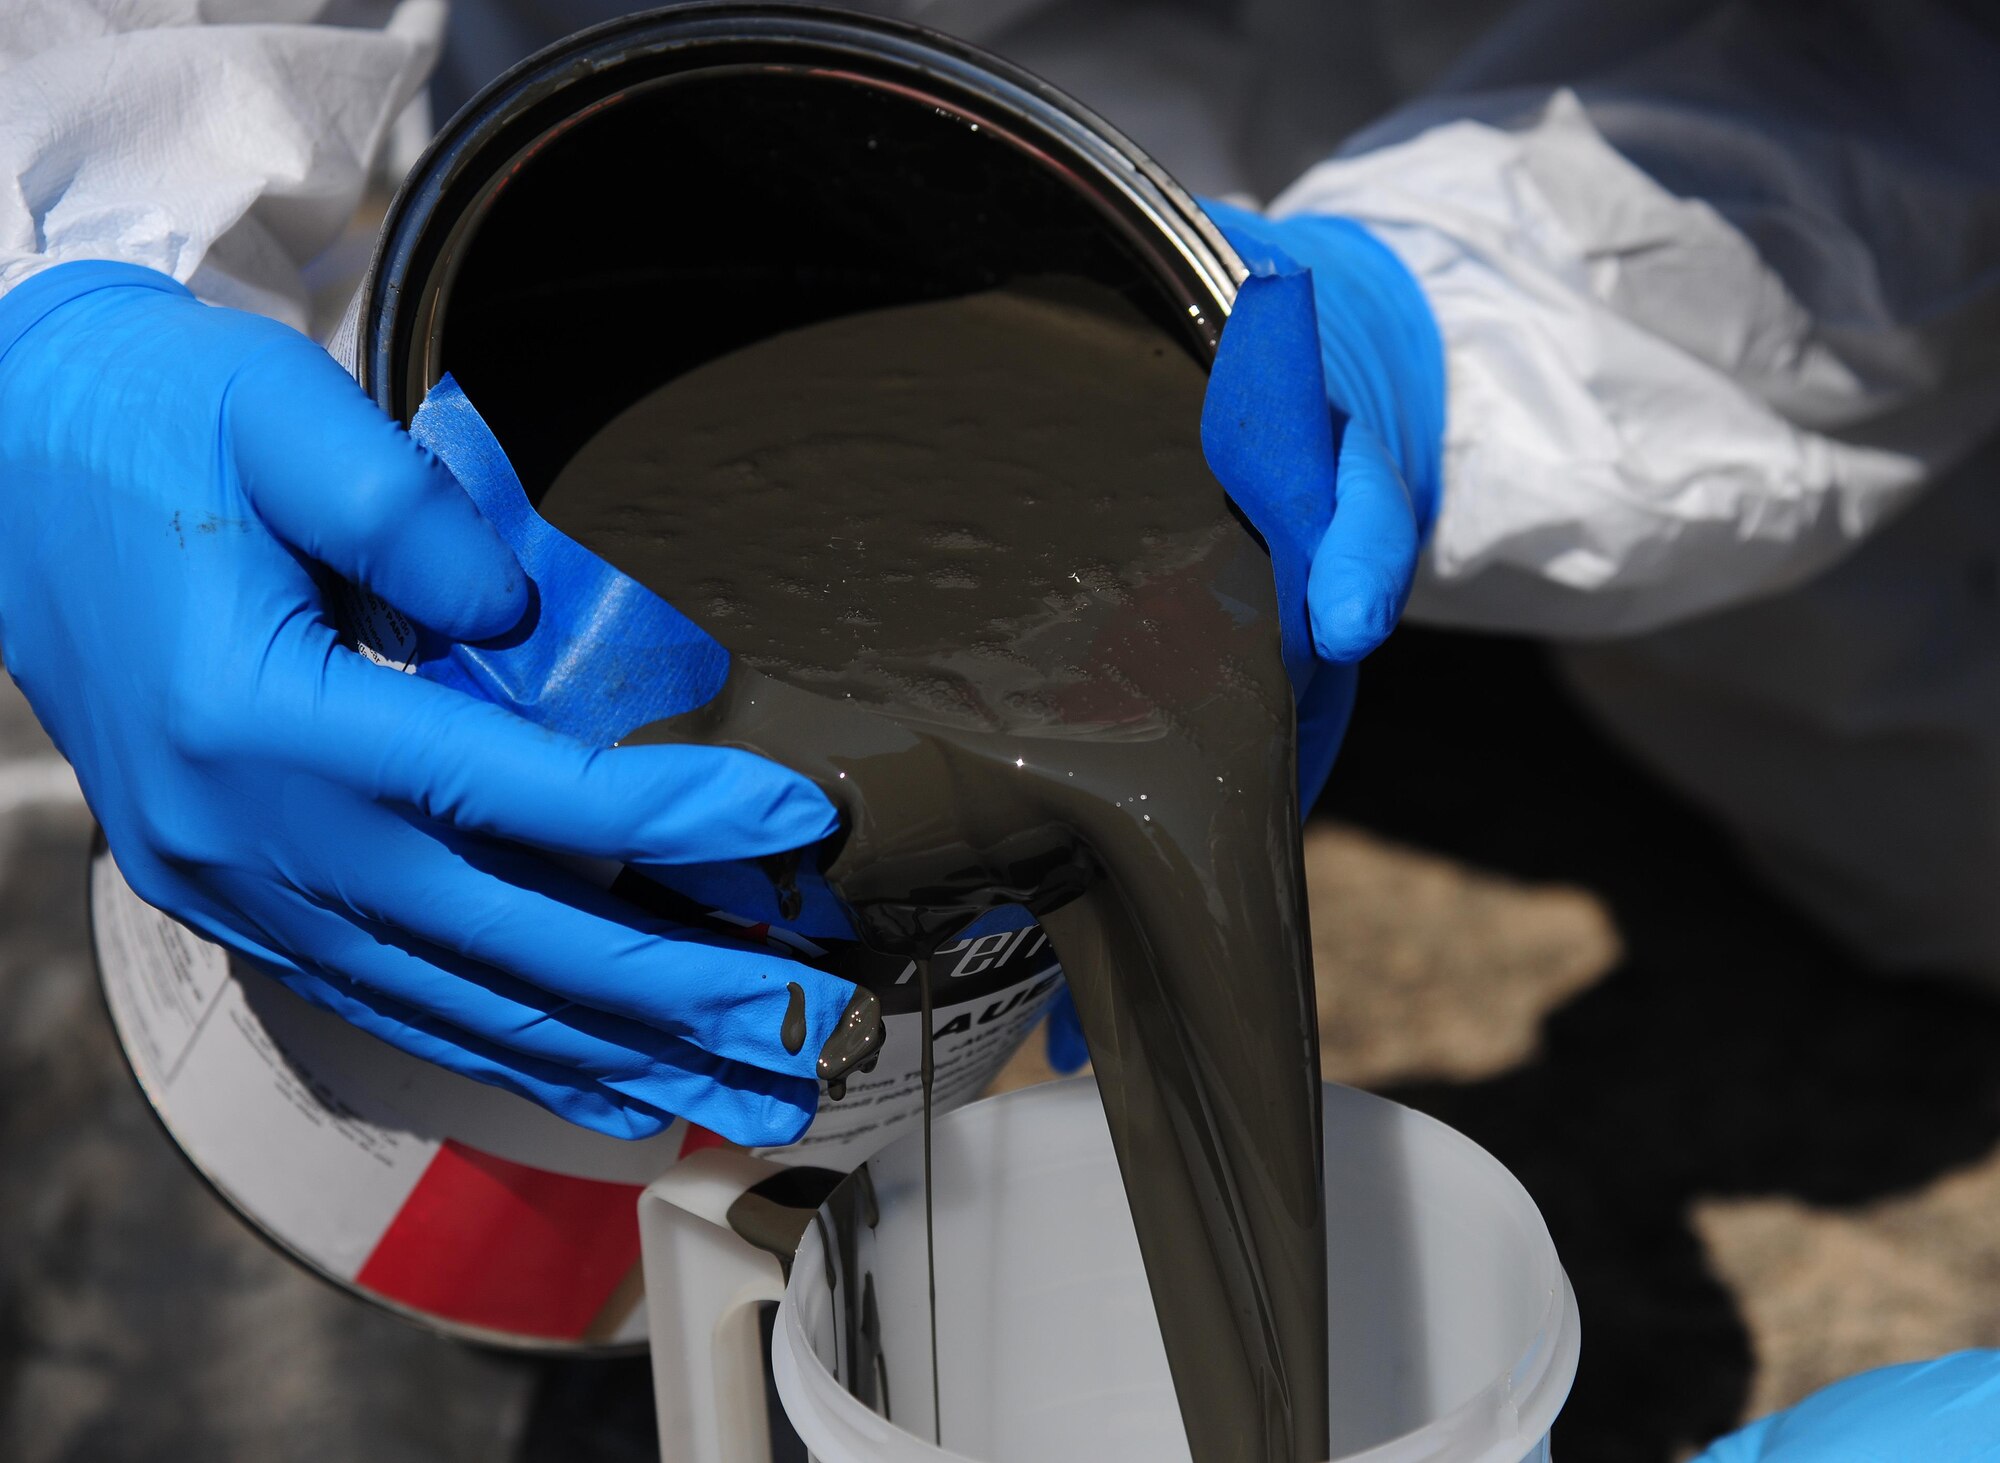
{"x":1730,"y":1053}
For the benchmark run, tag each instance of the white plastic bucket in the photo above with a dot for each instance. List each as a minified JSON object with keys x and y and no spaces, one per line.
{"x":1454,"y":1332}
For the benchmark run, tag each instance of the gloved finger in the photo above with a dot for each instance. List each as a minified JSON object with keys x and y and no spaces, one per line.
{"x":568,"y":1095}
{"x":561,"y":939}
{"x":1064,"y":1043}
{"x":513,"y":1024}
{"x":341,"y":483}
{"x":1367,"y":560}
{"x":480,"y":768}
{"x":1946,"y":1408}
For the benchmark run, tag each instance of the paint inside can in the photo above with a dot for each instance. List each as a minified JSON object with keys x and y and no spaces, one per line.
{"x":671,"y":189}
{"x":771,"y":200}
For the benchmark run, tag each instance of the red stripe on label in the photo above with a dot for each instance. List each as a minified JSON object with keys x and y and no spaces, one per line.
{"x":492,"y":1243}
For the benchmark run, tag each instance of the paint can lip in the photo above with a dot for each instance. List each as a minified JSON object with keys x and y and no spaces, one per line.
{"x":593,"y":68}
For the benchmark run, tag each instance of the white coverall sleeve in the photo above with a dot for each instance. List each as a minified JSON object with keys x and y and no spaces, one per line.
{"x":223,"y":142}
{"x":1710,"y":313}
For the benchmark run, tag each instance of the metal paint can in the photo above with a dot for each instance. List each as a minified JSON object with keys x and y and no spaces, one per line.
{"x":636,"y":200}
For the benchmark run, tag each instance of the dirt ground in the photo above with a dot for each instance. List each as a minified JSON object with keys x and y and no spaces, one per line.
{"x":1764,"y":1168}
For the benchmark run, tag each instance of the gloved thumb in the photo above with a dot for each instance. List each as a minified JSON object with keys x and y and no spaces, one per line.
{"x":333,"y":477}
{"x":1364,"y":566}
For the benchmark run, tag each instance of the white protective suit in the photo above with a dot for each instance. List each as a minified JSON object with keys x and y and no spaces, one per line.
{"x":1718,"y":283}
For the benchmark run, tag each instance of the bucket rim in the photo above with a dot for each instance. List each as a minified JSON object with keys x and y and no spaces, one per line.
{"x":1501,"y":1423}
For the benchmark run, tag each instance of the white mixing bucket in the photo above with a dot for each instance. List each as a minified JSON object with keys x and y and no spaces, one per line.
{"x":1454,"y":1333}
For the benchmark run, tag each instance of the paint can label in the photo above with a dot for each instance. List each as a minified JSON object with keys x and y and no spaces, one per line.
{"x":455,"y":1203}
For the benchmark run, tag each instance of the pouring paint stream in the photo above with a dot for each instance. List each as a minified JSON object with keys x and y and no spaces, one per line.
{"x":930,"y":1196}
{"x":978,"y":584}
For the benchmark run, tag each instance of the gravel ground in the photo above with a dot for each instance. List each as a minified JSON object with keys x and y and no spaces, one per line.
{"x":1763,"y":1167}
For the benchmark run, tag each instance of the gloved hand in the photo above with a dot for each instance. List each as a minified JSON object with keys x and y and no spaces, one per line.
{"x":1943,"y":1411}
{"x":1360,"y":517}
{"x":1338,"y":468}
{"x":174,"y":477}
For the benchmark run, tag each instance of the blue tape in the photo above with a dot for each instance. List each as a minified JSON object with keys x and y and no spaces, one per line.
{"x":1267,"y":433}
{"x":1381,"y":356}
{"x":598,"y":654}
{"x":1329,"y":326}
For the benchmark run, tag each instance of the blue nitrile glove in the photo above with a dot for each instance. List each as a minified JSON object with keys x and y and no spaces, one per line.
{"x":1943,"y":1411}
{"x":1324,"y":419}
{"x":173,"y":477}
{"x":1325,"y":422}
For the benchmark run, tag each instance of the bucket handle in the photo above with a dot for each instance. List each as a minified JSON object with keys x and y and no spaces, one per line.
{"x":704,"y":1285}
